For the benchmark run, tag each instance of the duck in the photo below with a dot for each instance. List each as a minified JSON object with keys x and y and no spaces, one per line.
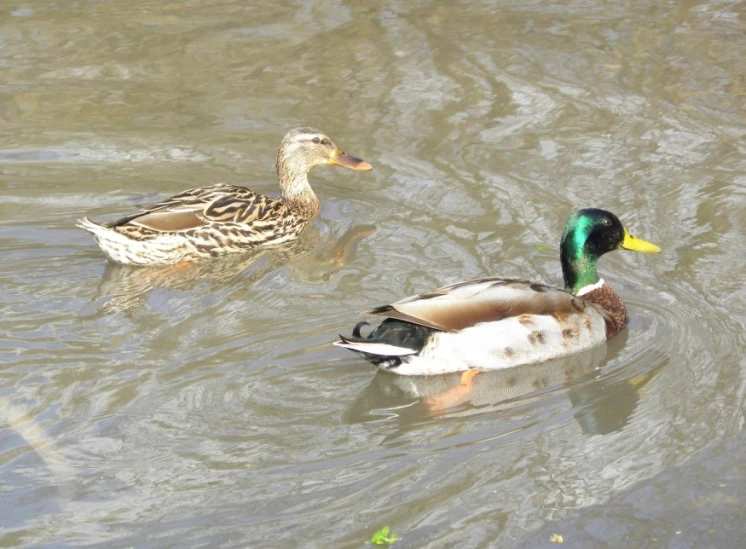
{"x":209,"y":222}
{"x":496,"y":322}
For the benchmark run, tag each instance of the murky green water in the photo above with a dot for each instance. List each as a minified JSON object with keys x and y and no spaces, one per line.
{"x":205,"y":407}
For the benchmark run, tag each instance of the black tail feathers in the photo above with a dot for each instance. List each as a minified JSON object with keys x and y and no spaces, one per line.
{"x":356,"y":329}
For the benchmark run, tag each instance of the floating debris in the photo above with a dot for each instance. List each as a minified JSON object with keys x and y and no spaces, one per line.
{"x":384,"y":537}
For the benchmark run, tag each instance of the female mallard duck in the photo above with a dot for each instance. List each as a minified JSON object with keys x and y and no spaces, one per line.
{"x":211,"y":221}
{"x":492,"y":323}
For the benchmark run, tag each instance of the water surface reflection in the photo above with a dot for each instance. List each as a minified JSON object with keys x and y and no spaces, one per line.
{"x":208,"y":408}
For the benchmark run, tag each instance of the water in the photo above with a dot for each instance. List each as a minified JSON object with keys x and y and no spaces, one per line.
{"x":205,"y":406}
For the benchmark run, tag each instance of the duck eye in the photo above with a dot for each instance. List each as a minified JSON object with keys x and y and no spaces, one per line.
{"x":316,"y":140}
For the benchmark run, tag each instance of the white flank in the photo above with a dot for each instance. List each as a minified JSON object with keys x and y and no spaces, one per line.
{"x":506,"y":343}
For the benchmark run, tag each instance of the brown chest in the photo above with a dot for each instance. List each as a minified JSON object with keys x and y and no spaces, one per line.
{"x":616,"y":312}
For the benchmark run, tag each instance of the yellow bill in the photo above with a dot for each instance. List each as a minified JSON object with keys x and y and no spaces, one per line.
{"x":638,"y":244}
{"x":345,"y":160}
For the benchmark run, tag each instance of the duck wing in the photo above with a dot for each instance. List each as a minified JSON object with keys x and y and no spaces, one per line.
{"x":465,"y":304}
{"x":193,"y":208}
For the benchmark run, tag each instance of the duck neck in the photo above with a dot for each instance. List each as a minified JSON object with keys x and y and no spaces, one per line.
{"x":581,"y":278}
{"x":578,"y":269}
{"x":296,"y":192}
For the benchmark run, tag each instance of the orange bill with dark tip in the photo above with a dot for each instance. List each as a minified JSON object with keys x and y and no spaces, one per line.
{"x":348,"y":161}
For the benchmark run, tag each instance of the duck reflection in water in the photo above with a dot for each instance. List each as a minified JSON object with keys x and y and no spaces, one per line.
{"x":602,"y":399}
{"x":309,"y":259}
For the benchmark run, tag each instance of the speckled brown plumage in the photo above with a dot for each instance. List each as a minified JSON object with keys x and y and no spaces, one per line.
{"x":612,"y":304}
{"x":208,"y":222}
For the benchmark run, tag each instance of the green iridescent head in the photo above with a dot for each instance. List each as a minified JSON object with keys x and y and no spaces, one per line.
{"x":589,"y":234}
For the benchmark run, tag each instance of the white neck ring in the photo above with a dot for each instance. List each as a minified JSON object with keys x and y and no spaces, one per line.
{"x":590,"y":287}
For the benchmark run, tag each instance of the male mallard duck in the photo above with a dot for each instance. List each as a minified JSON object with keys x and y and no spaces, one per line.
{"x":211,"y":221}
{"x":492,"y":323}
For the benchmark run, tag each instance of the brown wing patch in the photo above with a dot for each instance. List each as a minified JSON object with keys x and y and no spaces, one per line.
{"x":186,"y":209}
{"x":168,"y":221}
{"x":390,"y":312}
{"x":465,"y":304}
{"x":198,"y":198}
{"x":452,"y":316}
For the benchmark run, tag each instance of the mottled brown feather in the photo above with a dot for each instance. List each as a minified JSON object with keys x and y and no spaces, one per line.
{"x":208,"y":222}
{"x":616,"y":313}
{"x":247,"y":218}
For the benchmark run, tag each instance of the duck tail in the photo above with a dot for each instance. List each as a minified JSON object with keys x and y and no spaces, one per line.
{"x":370,"y":349}
{"x":91,"y":226}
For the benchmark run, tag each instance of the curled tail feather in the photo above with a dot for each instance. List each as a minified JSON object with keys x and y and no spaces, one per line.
{"x":88,"y":225}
